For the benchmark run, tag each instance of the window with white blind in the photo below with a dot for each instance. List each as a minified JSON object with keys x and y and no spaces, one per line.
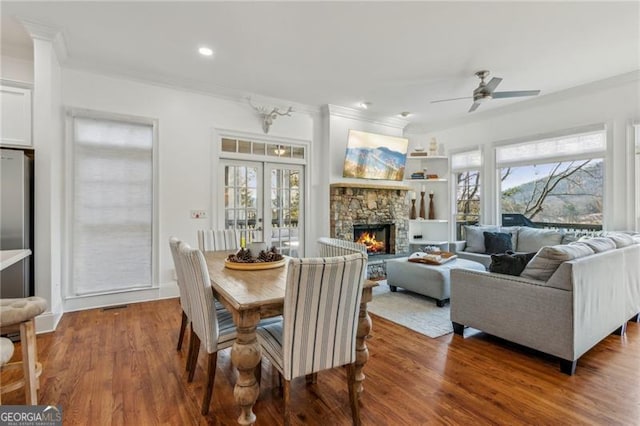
{"x":637,"y":182}
{"x":554,"y":182}
{"x":111,"y":203}
{"x":466,"y":167}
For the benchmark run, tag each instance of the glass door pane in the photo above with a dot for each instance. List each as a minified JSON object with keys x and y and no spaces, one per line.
{"x":243,"y":195}
{"x":283,"y":212}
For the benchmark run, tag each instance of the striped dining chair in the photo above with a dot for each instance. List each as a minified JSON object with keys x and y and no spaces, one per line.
{"x":184,"y":300}
{"x":218,"y":239}
{"x":210,"y":327}
{"x":320,"y":321}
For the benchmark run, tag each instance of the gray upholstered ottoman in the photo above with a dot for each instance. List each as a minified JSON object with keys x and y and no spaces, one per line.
{"x":429,"y":280}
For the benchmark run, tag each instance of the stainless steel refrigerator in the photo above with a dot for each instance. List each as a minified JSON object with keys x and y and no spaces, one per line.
{"x":16,"y":221}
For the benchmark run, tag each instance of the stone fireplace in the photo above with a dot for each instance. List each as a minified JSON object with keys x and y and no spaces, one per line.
{"x":376,"y":236}
{"x":357,"y":206}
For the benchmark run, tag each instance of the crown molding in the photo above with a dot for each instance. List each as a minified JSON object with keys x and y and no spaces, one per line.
{"x":39,"y":31}
{"x":572,"y":92}
{"x":199,"y":88}
{"x":355,"y":114}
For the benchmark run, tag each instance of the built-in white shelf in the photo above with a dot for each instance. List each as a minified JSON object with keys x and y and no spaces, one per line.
{"x":427,"y":180}
{"x":428,"y":157}
{"x":428,"y":242}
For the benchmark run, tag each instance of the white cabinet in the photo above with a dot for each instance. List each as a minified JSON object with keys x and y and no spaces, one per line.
{"x":15,"y":116}
{"x":434,"y":230}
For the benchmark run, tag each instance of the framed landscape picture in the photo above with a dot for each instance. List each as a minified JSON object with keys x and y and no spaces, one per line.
{"x":374,"y":156}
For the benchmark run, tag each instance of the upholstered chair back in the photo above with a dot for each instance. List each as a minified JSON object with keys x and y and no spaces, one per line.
{"x":218,"y":239}
{"x":329,"y":247}
{"x":322,"y":300}
{"x":201,"y":301}
{"x":184,"y":300}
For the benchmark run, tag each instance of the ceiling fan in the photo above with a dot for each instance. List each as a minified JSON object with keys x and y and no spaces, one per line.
{"x":485,"y":92}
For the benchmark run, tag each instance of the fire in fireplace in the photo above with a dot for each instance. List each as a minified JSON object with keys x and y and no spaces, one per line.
{"x":375,"y":236}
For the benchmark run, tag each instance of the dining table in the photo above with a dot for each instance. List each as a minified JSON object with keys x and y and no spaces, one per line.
{"x":251,"y":295}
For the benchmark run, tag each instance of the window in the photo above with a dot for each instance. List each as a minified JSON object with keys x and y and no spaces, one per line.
{"x":554,"y":182}
{"x":111,"y":205}
{"x":637,"y":183}
{"x":466,"y":168}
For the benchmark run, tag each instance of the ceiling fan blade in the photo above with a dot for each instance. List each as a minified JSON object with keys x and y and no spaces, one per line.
{"x":452,"y":99}
{"x":514,"y":94}
{"x":474,"y":106}
{"x":493,"y":83}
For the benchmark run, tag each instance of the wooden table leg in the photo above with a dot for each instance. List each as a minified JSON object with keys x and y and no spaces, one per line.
{"x":245,"y":356}
{"x":364,"y":328}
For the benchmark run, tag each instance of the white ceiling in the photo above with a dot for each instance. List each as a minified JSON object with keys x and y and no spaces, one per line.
{"x":399,"y":56}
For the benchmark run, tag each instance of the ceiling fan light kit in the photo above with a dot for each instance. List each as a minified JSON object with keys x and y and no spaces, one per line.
{"x":486,"y":91}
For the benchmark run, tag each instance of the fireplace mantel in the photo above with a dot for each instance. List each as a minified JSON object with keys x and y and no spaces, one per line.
{"x":358,"y":185}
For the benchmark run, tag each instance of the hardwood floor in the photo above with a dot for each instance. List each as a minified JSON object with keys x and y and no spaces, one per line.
{"x":120,"y":366}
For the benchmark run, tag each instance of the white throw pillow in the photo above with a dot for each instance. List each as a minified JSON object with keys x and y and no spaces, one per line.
{"x":600,"y":244}
{"x":620,"y":239}
{"x":474,"y":236}
{"x":532,"y":239}
{"x":548,"y":259}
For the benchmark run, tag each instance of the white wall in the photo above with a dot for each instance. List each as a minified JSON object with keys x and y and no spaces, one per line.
{"x":187,"y":134}
{"x":614,"y":103}
{"x":16,"y":69}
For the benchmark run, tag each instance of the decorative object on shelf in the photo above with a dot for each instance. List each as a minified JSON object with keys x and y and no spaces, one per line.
{"x":269,"y":115}
{"x":431,"y":176}
{"x":432,"y":211}
{"x":422,"y":213}
{"x":418,"y":154}
{"x":418,"y":175}
{"x":419,"y":148}
{"x":433,"y":147}
{"x":412,"y":213}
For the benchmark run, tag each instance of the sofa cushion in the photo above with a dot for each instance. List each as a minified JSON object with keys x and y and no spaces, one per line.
{"x":532,"y":239}
{"x":620,"y":239}
{"x":599,"y":244}
{"x":548,"y":259}
{"x":569,"y":237}
{"x":497,"y":242}
{"x":510,"y":263}
{"x":475,"y":237}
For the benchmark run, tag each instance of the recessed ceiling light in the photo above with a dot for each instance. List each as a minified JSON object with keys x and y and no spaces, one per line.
{"x":205,"y":51}
{"x":405,"y":113}
{"x":365,"y":105}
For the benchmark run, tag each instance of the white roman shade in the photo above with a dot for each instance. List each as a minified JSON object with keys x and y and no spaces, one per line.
{"x":466,"y":160}
{"x":111,"y":205}
{"x":568,"y":147}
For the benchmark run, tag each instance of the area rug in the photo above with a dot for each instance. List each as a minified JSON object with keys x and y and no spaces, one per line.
{"x":414,"y":311}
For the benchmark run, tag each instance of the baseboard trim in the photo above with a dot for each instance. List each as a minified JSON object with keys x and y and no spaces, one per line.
{"x":164,"y":291}
{"x":47,"y":322}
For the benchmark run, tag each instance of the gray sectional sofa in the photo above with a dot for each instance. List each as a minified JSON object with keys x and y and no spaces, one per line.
{"x":568,"y":298}
{"x":523,"y":239}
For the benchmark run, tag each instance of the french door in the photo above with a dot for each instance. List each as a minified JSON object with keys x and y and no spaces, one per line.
{"x":265,"y":202}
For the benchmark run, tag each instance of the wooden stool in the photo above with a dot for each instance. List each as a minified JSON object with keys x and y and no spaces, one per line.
{"x":19,"y":314}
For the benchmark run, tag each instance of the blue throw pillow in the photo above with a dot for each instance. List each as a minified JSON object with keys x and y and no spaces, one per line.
{"x":497,"y":242}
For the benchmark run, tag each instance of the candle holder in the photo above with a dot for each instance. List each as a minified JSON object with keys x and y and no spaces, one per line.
{"x":422,"y":214}
{"x":432,"y":210}
{"x":412,"y":213}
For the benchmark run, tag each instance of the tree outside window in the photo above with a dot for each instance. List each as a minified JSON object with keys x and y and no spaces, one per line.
{"x":555,"y":194}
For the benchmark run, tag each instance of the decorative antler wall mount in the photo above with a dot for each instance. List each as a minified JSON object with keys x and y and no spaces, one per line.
{"x":269,"y":114}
